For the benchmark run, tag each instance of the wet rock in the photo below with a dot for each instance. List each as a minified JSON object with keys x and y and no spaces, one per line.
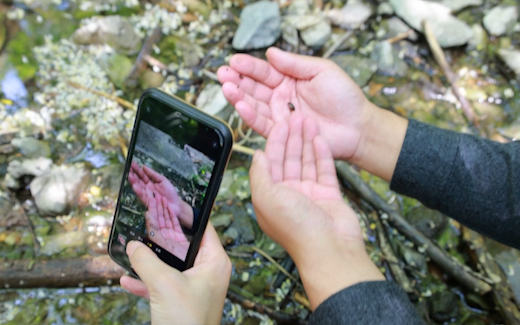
{"x":32,"y":148}
{"x":211,"y":99}
{"x":150,"y":79}
{"x":511,"y":59}
{"x":117,"y":67}
{"x":448,"y":30}
{"x":358,"y":68}
{"x":413,"y":258}
{"x":260,"y":26}
{"x":58,"y":243}
{"x":444,"y":306}
{"x":509,"y":262}
{"x":501,"y":20}
{"x":388,"y":60}
{"x":55,"y":192}
{"x":352,"y":15}
{"x":32,"y":167}
{"x":457,"y":5}
{"x":115,"y":31}
{"x":385,"y":9}
{"x":316,"y":35}
{"x":396,"y":27}
{"x":221,"y":221}
{"x":429,"y":222}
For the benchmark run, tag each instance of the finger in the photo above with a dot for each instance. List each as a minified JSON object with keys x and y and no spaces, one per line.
{"x":134,"y":286}
{"x":255,"y":89}
{"x":310,"y":131}
{"x":153,"y":175}
{"x":160,"y":214}
{"x":257,"y":69}
{"x":169,"y":214}
{"x":148,"y":266}
{"x":139,"y":172}
{"x":295,"y":65}
{"x":210,"y":246}
{"x":261,"y":124}
{"x":235,"y":94}
{"x":326,"y":171}
{"x":275,"y":150}
{"x":293,"y":149}
{"x":260,"y":176}
{"x":151,"y":213}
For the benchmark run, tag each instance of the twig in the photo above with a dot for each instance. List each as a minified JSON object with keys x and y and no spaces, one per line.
{"x":132,"y":210}
{"x":302,"y":300}
{"x":119,"y":100}
{"x":275,"y":263}
{"x":210,"y":74}
{"x":467,"y":277}
{"x":279,"y":317}
{"x":438,"y":54}
{"x":400,"y":37}
{"x":337,"y":44}
{"x":36,"y":243}
{"x":140,"y":63}
{"x":392,"y":260}
{"x":243,"y":149}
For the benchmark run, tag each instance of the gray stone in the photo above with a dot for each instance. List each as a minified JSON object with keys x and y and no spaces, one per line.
{"x":211,"y":99}
{"x":221,"y":221}
{"x":479,"y":39}
{"x":511,"y":58}
{"x":396,"y":27}
{"x":501,"y":20}
{"x":388,"y":60}
{"x":317,"y":35}
{"x":457,"y":5}
{"x":115,"y":31}
{"x":290,"y":33}
{"x":351,"y":15}
{"x":299,"y":8}
{"x":11,"y":182}
{"x":32,"y":148}
{"x":117,"y":67}
{"x":358,"y":68}
{"x":32,"y":167}
{"x":56,"y":191}
{"x":58,"y":243}
{"x":448,"y":30}
{"x":303,"y":22}
{"x":385,"y":9}
{"x":160,"y":147}
{"x":260,"y":26}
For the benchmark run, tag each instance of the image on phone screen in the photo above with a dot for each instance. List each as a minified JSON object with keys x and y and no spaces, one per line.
{"x":171,"y":165}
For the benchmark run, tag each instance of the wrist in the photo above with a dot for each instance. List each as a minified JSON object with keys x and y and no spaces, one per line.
{"x":328,"y":271}
{"x":380,"y":142}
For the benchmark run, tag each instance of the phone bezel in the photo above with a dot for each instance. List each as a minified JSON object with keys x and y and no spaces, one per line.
{"x":225,"y":135}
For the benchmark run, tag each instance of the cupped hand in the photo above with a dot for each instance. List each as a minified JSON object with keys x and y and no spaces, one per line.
{"x":164,"y":229}
{"x":298,"y":204}
{"x":195,"y":296}
{"x":264,"y":92}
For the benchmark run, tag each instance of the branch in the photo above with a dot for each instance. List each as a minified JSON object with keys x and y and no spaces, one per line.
{"x":470,"y":279}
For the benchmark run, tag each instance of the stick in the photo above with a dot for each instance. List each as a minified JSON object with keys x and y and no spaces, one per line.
{"x":21,"y":210}
{"x":244,"y":150}
{"x":400,"y":36}
{"x":337,"y":44}
{"x":470,"y":279}
{"x":275,"y":263}
{"x":140,"y":62}
{"x":438,"y":54}
{"x":120,"y":101}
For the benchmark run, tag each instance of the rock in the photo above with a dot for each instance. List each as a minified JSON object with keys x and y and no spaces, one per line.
{"x":55,"y":192}
{"x":413,"y":258}
{"x":211,"y":99}
{"x":448,"y":30}
{"x":388,"y":60}
{"x":243,"y":223}
{"x":385,"y":9}
{"x":32,"y":148}
{"x":58,"y":243}
{"x":32,"y":167}
{"x":511,"y":59}
{"x":358,"y":68}
{"x":111,"y":176}
{"x":221,"y":221}
{"x":317,"y":35}
{"x":457,"y":5}
{"x":479,"y":39}
{"x":260,"y":26}
{"x":115,"y":31}
{"x":117,"y":67}
{"x":509,"y":262}
{"x":429,"y":222}
{"x":396,"y":27}
{"x":444,"y":306}
{"x":11,"y":182}
{"x":150,"y":79}
{"x":305,"y":21}
{"x":298,"y":8}
{"x":351,"y":15}
{"x":230,"y":236}
{"x":290,"y":33}
{"x":501,"y":20}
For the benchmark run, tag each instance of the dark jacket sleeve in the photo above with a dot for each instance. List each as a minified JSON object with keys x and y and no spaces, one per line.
{"x":473,"y":180}
{"x":374,"y":303}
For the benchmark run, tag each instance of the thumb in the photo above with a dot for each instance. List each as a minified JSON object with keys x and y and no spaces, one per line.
{"x":147,"y":265}
{"x":260,"y":176}
{"x":296,"y":65}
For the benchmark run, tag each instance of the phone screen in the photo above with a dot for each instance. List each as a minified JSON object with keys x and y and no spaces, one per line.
{"x":169,"y":168}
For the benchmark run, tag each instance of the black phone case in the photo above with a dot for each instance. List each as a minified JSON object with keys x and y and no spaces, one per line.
{"x":220,"y":165}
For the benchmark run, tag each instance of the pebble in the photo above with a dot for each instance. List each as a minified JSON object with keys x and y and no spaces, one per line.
{"x":260,"y":26}
{"x":511,"y":58}
{"x":501,"y":20}
{"x":32,"y":148}
{"x":317,"y":35}
{"x":351,"y":15}
{"x":32,"y":167}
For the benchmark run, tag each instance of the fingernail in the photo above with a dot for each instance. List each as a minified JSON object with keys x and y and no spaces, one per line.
{"x":132,"y":246}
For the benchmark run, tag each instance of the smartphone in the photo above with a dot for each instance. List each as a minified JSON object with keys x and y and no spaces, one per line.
{"x":174,"y":167}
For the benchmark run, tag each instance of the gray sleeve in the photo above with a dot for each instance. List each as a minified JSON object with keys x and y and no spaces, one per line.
{"x":473,"y":180}
{"x":374,"y":303}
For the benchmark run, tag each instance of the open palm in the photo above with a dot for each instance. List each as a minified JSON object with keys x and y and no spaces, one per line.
{"x":264,"y":93}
